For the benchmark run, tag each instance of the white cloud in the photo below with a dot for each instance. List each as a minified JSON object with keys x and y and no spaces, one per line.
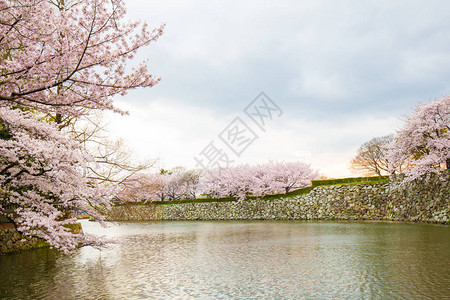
{"x":176,"y":133}
{"x":161,"y":129}
{"x":343,"y":71}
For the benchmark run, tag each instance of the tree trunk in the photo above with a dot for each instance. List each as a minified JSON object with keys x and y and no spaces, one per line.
{"x":58,"y":118}
{"x":378,"y":171}
{"x":447,"y":162}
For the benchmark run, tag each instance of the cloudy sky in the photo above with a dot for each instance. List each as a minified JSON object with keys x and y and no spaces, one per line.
{"x":341,"y":72}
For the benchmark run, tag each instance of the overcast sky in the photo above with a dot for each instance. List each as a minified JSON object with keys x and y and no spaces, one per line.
{"x":341,"y":72}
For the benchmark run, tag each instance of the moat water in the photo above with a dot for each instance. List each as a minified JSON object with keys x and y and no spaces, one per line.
{"x":240,"y":260}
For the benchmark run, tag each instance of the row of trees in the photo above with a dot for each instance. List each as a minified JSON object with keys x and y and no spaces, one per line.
{"x":176,"y":184}
{"x":259,"y":180}
{"x":420,"y":147}
{"x":239,"y":182}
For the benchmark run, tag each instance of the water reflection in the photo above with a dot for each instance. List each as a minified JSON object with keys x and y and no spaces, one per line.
{"x":240,"y":260}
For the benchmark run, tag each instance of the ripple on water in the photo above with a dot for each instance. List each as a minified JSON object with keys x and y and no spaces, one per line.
{"x":240,"y":260}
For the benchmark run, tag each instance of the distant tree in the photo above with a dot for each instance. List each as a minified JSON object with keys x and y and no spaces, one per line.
{"x":292,"y":175}
{"x":190,"y":183}
{"x":181,"y":183}
{"x":137,"y":187}
{"x":422,"y":145}
{"x":371,"y":158}
{"x":175,"y":184}
{"x":144,"y":187}
{"x":245,"y":180}
{"x":159,"y":184}
{"x":174,"y":187}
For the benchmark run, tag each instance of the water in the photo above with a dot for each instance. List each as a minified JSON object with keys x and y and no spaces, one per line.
{"x":240,"y":260}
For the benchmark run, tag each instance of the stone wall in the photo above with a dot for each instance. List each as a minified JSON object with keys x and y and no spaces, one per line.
{"x":12,"y":241}
{"x":426,"y":201}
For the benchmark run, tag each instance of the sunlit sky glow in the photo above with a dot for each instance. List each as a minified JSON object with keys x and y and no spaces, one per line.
{"x":341,"y":71}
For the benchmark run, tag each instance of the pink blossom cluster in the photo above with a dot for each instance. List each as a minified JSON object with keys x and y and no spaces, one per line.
{"x":422,"y":145}
{"x":175,"y":185}
{"x":70,"y":55}
{"x":42,"y":183}
{"x":239,"y":182}
{"x":259,"y":180}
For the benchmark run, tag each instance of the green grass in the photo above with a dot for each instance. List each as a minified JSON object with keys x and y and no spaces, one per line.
{"x":351,"y":180}
{"x":358,"y":182}
{"x":200,"y":200}
{"x":298,"y":192}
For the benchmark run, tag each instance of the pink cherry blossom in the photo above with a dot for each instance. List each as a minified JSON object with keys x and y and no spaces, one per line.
{"x":59,"y":58}
{"x":265,"y":179}
{"x":42,"y":181}
{"x":422,"y":145}
{"x":71,"y":56}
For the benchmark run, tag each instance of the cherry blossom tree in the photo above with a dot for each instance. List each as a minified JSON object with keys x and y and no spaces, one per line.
{"x":159,"y":183}
{"x":190,"y":181}
{"x":182,"y":183}
{"x":175,"y":184}
{"x":292,"y":175}
{"x":42,"y":182}
{"x":423,"y":143}
{"x":265,"y":179}
{"x":141,"y":187}
{"x":236,"y":181}
{"x":145,"y":187}
{"x":59,"y":60}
